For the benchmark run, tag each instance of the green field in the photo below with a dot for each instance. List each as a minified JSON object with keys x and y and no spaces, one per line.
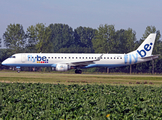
{"x":33,"y":95}
{"x":32,"y":101}
{"x":61,"y":78}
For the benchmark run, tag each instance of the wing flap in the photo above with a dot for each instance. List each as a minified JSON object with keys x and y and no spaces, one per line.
{"x":81,"y":63}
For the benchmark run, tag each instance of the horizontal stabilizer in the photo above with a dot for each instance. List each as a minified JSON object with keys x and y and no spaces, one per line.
{"x":152,"y":56}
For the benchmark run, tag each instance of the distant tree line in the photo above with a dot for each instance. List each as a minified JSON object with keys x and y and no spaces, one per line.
{"x":61,"y":38}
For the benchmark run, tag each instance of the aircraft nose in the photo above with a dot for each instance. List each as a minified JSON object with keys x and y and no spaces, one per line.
{"x":4,"y":63}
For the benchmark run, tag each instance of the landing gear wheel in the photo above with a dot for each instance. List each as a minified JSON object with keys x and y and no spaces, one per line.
{"x":78,"y":71}
{"x":18,"y":70}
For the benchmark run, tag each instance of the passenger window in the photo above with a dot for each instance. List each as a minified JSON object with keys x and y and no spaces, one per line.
{"x":65,"y":57}
{"x":55,"y":57}
{"x":69,"y":57}
{"x":52,"y":57}
{"x":107,"y":57}
{"x":48,"y":57}
{"x":58,"y":57}
{"x":79,"y":57}
{"x":61,"y":57}
{"x":104,"y":57}
{"x":14,"y":57}
{"x":72,"y":57}
{"x":76,"y":57}
{"x":83,"y":57}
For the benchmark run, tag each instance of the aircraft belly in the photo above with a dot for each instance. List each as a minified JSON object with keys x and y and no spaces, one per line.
{"x":109,"y":64}
{"x":29,"y":65}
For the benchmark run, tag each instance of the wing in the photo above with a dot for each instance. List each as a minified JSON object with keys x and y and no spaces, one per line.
{"x":84,"y":63}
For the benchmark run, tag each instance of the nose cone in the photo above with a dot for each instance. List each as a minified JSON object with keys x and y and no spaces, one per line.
{"x":4,"y":62}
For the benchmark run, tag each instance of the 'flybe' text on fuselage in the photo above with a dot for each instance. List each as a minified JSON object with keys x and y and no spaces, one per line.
{"x":38,"y":59}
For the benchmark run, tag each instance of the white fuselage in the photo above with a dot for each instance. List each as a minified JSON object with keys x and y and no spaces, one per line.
{"x":52,"y":59}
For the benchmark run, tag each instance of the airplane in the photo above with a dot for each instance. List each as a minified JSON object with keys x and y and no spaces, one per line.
{"x":78,"y":61}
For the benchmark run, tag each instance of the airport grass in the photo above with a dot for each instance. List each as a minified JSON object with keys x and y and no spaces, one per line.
{"x":62,"y":78}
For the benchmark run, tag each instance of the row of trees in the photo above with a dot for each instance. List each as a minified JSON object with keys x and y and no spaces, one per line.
{"x":55,"y":38}
{"x":60,"y":38}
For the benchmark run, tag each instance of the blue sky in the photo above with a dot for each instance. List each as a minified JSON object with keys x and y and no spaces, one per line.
{"x":124,"y":14}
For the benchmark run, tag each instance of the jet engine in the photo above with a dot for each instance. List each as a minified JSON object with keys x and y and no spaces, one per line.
{"x":62,"y":67}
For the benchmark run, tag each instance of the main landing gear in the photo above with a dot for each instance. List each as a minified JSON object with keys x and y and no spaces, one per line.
{"x":78,"y":71}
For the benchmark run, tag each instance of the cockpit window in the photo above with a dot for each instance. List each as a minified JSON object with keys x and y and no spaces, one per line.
{"x":13,"y":57}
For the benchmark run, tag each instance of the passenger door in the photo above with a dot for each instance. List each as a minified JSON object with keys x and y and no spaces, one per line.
{"x":23,"y":56}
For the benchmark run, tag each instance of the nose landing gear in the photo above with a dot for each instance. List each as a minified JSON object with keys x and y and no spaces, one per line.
{"x":18,"y":69}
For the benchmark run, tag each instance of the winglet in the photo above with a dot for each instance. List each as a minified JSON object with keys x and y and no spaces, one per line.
{"x":99,"y":58}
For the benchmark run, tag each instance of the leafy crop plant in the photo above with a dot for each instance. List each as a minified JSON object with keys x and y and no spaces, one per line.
{"x":57,"y":101}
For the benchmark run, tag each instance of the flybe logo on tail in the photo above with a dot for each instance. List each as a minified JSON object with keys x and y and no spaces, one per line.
{"x":38,"y":59}
{"x":147,"y":47}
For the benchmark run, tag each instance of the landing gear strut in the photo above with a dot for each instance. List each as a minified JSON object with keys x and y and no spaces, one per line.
{"x":78,"y":71}
{"x":18,"y":70}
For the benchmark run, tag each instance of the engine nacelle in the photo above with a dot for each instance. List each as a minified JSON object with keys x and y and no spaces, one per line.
{"x":62,"y":67}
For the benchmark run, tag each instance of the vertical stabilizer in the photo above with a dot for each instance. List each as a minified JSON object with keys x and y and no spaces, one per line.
{"x":145,"y":49}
